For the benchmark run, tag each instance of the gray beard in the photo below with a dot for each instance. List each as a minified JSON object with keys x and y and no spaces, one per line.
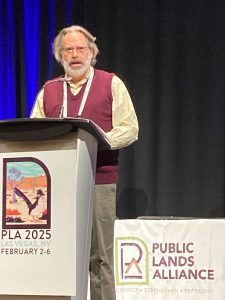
{"x":75,"y":72}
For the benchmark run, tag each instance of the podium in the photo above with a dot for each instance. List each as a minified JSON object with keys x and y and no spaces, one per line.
{"x":47,"y":179}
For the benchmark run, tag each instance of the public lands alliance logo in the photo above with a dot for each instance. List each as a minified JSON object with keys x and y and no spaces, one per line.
{"x":169,"y":261}
{"x":26,"y":201}
{"x":131,"y":261}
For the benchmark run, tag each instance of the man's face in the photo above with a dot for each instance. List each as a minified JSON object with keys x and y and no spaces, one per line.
{"x":76,"y":55}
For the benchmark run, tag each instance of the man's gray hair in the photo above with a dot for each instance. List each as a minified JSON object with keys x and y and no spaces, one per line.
{"x":57,"y":44}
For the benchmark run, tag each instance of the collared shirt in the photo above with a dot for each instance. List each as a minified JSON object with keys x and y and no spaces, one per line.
{"x":124,"y":120}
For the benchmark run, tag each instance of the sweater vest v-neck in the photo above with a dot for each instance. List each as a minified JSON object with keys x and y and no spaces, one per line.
{"x":98,"y":108}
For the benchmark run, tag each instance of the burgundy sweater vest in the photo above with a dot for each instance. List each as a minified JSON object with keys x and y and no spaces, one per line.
{"x":98,"y":108}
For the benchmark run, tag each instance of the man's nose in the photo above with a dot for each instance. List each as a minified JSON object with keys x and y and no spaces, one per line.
{"x":74,"y":52}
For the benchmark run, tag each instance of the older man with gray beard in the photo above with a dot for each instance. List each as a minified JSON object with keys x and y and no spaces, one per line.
{"x":102,"y":97}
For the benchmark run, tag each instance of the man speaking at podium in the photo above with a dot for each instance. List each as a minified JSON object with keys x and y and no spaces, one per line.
{"x":102,"y":97}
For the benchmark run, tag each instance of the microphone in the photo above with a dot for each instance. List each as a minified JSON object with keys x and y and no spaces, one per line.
{"x":62,"y":79}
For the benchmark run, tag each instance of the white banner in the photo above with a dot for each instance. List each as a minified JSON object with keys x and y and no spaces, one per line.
{"x":38,"y":242}
{"x":170,"y":259}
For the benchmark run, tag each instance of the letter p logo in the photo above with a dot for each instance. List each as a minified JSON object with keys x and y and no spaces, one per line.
{"x":131,"y":261}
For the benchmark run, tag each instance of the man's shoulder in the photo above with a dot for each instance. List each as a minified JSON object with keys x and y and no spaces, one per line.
{"x":54,"y":82}
{"x":103,"y":73}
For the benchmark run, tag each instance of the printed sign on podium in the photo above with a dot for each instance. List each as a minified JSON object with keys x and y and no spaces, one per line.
{"x":38,"y":240}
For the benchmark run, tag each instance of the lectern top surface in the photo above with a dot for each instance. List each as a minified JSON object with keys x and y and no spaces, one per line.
{"x":34,"y":129}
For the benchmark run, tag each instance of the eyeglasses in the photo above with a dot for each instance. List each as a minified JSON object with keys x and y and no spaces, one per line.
{"x":79,"y":50}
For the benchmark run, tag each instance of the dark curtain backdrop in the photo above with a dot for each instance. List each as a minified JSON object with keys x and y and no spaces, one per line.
{"x":171,"y":55}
